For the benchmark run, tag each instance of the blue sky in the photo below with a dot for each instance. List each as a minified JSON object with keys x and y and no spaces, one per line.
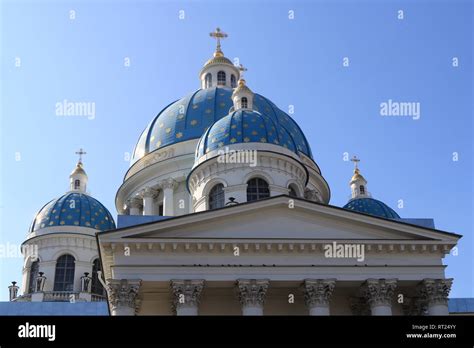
{"x":290,"y":61}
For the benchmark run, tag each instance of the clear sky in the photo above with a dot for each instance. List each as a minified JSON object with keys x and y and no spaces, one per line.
{"x":295,"y":62}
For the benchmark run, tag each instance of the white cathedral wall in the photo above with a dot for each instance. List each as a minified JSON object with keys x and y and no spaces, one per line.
{"x":51,"y":244}
{"x":277,"y":170}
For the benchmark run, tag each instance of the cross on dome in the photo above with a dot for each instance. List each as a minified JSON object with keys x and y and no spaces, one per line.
{"x":356,"y":161}
{"x":218,"y":35}
{"x":80,"y":152}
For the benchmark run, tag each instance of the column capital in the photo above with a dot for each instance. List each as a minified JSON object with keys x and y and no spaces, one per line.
{"x":135,"y":202}
{"x":252,"y":292}
{"x":124,"y":292}
{"x":379,"y":291}
{"x":435,"y":291}
{"x":168,"y":184}
{"x":186,"y":293}
{"x":318,"y":292}
{"x":149,"y":192}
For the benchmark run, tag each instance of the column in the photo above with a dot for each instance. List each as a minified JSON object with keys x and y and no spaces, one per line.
{"x":378,"y":294}
{"x":148,"y":195}
{"x":252,"y":294}
{"x":135,"y":205}
{"x":434,"y":292}
{"x":168,"y":187}
{"x":123,"y":296}
{"x":317,"y":293}
{"x":186,"y":295}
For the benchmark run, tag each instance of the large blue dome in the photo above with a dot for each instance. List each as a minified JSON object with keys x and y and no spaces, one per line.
{"x":372,"y":207}
{"x":74,"y":209}
{"x":189,"y":117}
{"x":247,"y":126}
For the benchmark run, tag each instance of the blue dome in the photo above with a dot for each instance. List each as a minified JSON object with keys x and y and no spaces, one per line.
{"x":373,"y":207}
{"x":189,"y":117}
{"x":74,"y":209}
{"x":245,"y":126}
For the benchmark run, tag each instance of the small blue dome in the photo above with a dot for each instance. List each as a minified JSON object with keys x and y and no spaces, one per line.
{"x":373,"y":207}
{"x":245,"y":126}
{"x":74,"y":209}
{"x":189,"y":117}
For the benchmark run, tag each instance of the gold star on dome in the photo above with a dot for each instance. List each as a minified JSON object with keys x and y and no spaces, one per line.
{"x":179,"y":135}
{"x":263,"y":140}
{"x":233,"y":140}
{"x":246,"y":139}
{"x":193,"y":122}
{"x":168,"y":130}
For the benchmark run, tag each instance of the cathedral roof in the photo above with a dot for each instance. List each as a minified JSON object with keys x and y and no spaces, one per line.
{"x":74,"y":209}
{"x":371,"y":206}
{"x":189,"y":117}
{"x":247,"y":126}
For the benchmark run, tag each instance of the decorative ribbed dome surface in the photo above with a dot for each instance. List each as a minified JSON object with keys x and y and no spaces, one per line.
{"x":189,"y":117}
{"x":245,"y":126}
{"x":74,"y":209}
{"x":373,"y":207}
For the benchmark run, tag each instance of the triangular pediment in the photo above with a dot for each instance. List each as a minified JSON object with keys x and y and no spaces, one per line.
{"x":274,"y":219}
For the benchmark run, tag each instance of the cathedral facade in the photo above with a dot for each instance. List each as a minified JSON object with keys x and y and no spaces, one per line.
{"x":225,"y":211}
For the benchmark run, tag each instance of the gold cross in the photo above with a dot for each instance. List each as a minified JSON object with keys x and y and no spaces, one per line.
{"x":355,"y":160}
{"x":218,"y":35}
{"x":242,"y":69}
{"x":80,"y":153}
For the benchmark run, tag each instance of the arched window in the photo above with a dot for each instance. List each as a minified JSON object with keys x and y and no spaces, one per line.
{"x":292,"y":191}
{"x":216,"y":197}
{"x":362,"y":189}
{"x":64,"y":275}
{"x":221,"y":78}
{"x":257,"y":189}
{"x":34,"y":270}
{"x":77,"y":184}
{"x":233,"y":82}
{"x":96,"y":286}
{"x":208,"y":80}
{"x":244,"y":103}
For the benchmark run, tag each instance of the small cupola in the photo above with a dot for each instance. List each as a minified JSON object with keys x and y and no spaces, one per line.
{"x":358,"y":183}
{"x":242,"y":95}
{"x":78,"y":178}
{"x":219,"y":70}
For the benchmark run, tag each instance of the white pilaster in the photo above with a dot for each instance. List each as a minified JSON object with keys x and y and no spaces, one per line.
{"x":168,"y":186}
{"x":148,"y":194}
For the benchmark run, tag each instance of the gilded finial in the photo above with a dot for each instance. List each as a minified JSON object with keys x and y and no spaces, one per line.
{"x":218,"y":35}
